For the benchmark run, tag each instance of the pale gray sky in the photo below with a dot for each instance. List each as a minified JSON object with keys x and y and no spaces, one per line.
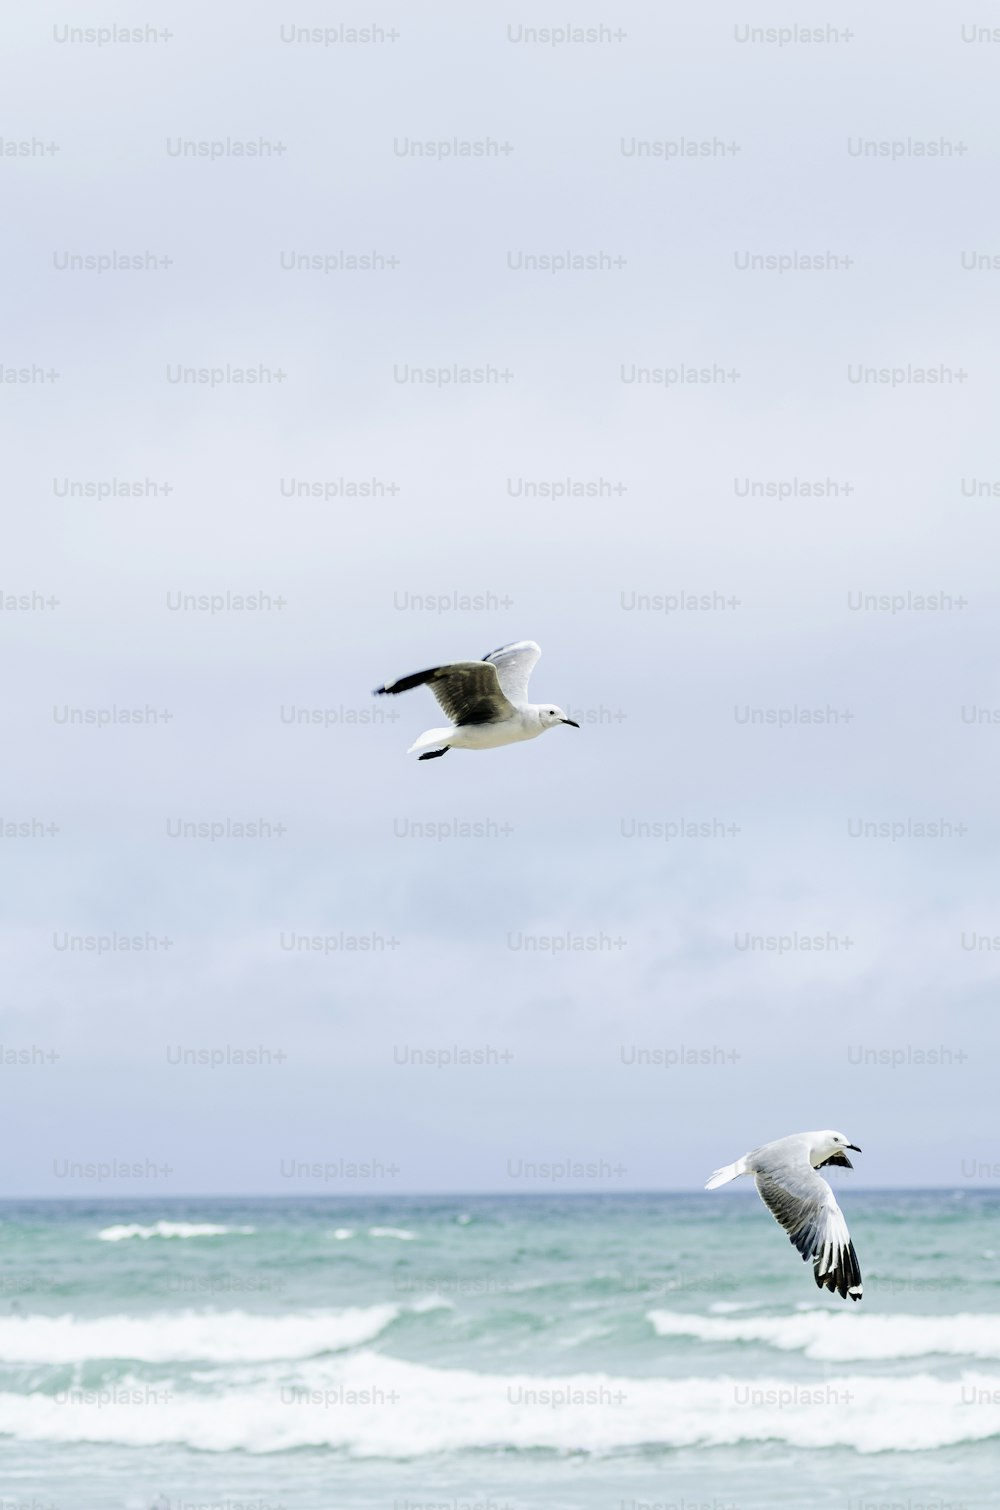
{"x":663,"y":696}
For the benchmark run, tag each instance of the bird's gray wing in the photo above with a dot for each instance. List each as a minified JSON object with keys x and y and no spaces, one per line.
{"x":806,"y":1207}
{"x":514,"y":664}
{"x":468,"y":691}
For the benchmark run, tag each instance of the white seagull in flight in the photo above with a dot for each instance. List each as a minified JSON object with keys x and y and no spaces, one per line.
{"x":486,"y":701}
{"x":802,"y":1201}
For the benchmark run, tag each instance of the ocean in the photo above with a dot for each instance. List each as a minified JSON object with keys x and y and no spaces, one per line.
{"x":627,"y":1352}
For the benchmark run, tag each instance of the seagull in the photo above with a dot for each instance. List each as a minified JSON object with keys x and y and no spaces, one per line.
{"x":486,"y":701}
{"x":802,"y":1201}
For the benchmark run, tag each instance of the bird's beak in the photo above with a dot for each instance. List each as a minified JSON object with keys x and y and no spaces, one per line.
{"x":572,"y":723}
{"x":853,"y":1146}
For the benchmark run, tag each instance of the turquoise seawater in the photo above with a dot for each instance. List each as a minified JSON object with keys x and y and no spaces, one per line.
{"x":622,"y":1352}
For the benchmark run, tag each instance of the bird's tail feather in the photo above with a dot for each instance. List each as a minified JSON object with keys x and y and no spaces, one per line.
{"x":431,"y":739}
{"x":726,"y":1173}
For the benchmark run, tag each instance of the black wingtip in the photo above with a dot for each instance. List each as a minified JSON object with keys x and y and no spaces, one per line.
{"x":838,"y":1159}
{"x":844,"y":1279}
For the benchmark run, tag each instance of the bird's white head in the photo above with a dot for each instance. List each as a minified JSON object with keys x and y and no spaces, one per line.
{"x":548,"y":715}
{"x":830,"y":1145}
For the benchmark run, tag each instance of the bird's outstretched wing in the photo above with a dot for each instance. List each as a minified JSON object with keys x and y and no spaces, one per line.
{"x":514,"y":664}
{"x":802,"y":1201}
{"x":468,"y":691}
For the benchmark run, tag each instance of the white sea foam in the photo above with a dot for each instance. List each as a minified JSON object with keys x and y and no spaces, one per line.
{"x":117,"y":1234}
{"x":842,"y":1337}
{"x":369,"y":1405}
{"x":341,"y":1234}
{"x":431,"y":1303}
{"x":208,"y":1336}
{"x":398,"y":1232}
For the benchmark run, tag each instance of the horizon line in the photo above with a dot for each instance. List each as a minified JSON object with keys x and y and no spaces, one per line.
{"x":464,"y":1194}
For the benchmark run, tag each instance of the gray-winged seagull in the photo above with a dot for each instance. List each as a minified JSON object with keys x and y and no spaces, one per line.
{"x":802,"y":1201}
{"x":486,"y":701}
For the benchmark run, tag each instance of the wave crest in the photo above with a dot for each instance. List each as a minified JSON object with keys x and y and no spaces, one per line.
{"x":122,"y":1230}
{"x":177,"y":1336}
{"x":371,"y":1406}
{"x":844,"y":1337}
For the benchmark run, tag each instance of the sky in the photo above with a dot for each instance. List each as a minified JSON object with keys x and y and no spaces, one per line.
{"x":331,"y":355}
